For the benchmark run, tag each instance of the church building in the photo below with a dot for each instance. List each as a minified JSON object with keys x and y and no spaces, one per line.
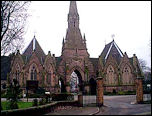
{"x":54,"y":74}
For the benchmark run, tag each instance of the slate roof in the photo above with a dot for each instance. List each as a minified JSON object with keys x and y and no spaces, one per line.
{"x":34,"y":45}
{"x":112,"y":49}
{"x":5,"y":66}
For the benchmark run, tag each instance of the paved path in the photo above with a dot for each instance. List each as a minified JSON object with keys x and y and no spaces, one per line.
{"x":113,"y":105}
{"x":123,"y":105}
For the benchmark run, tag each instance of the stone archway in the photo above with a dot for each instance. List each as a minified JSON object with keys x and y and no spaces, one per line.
{"x":76,"y":78}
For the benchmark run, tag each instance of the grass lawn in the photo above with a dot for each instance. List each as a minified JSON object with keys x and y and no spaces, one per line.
{"x":20,"y":105}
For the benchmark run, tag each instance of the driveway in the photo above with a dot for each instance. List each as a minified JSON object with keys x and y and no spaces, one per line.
{"x":113,"y":105}
{"x":123,"y":105}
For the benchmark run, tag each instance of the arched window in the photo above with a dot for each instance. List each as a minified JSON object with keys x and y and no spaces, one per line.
{"x":126,"y":75}
{"x":33,"y":73}
{"x":110,"y":77}
{"x":49,"y":78}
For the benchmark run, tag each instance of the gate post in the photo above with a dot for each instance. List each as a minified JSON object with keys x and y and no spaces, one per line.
{"x":139,"y":90}
{"x":80,"y":100}
{"x":99,"y":91}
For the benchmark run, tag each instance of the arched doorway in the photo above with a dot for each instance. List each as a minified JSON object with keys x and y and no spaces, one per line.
{"x":76,"y":82}
{"x":62,"y":86}
{"x":93,"y":85}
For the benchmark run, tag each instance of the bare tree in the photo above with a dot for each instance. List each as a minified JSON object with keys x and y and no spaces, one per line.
{"x":143,"y":64}
{"x":13,"y":19}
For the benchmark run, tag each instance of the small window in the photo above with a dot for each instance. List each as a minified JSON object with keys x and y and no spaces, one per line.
{"x":33,"y":73}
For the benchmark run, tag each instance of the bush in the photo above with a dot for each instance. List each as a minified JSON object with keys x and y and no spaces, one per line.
{"x":121,"y":93}
{"x":42,"y":101}
{"x":35,"y":102}
{"x":3,"y":95}
{"x":12,"y":105}
{"x":62,"y":96}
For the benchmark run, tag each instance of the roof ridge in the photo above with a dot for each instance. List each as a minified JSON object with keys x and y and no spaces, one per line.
{"x":108,"y":51}
{"x":120,"y":52}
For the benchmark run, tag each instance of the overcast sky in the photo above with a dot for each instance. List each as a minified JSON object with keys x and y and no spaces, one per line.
{"x":129,"y":21}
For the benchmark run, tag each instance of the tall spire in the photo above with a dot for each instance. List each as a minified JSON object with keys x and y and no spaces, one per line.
{"x":73,"y":8}
{"x":73,"y":37}
{"x":73,"y":16}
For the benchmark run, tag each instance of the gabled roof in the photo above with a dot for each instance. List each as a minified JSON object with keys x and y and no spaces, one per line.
{"x":34,"y":46}
{"x":112,"y":49}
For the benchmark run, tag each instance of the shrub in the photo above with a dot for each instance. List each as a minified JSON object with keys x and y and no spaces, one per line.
{"x":42,"y":101}
{"x":3,"y":95}
{"x":121,"y":93}
{"x":35,"y":102}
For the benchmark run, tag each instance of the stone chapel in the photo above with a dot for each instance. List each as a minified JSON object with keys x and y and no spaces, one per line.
{"x":54,"y":73}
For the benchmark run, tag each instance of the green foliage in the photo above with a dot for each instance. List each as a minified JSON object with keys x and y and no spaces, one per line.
{"x":67,"y":67}
{"x":35,"y":102}
{"x":3,"y":94}
{"x":13,"y":91}
{"x":13,"y":94}
{"x":67,"y":84}
{"x":42,"y":101}
{"x":21,"y":105}
{"x":12,"y":105}
{"x":120,"y":93}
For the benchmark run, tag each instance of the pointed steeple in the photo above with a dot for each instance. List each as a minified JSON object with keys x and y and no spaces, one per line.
{"x":73,"y":8}
{"x":73,"y":16}
{"x":73,"y":37}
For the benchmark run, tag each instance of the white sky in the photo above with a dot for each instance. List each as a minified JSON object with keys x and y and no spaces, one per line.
{"x":129,"y":21}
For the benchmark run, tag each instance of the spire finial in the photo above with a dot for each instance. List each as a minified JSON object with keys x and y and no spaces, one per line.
{"x":34,"y":33}
{"x":113,"y":36}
